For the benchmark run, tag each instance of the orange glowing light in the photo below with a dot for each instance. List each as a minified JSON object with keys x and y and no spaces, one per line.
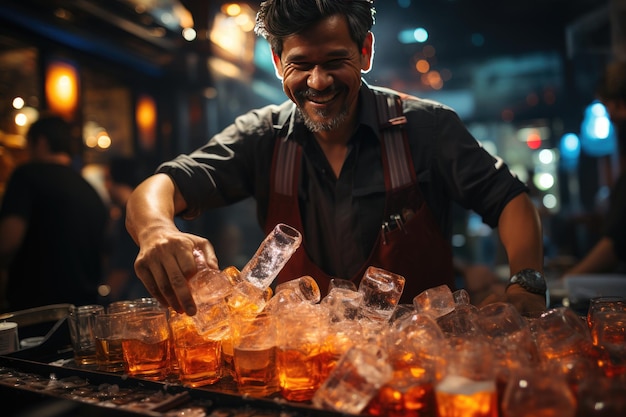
{"x":434,"y":80}
{"x":61,"y":87}
{"x":232,"y":9}
{"x":422,"y":66}
{"x":145,"y":115}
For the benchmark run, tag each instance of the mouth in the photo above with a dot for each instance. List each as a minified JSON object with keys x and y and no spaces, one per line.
{"x":320,"y":98}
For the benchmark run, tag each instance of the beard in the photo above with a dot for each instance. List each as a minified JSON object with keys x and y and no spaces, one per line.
{"x":329,"y":122}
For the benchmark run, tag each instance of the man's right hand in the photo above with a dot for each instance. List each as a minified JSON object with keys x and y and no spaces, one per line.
{"x":165,"y":262}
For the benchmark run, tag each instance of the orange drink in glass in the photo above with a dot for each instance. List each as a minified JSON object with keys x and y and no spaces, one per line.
{"x":146,"y":344}
{"x":199,"y":357}
{"x":254,"y":353}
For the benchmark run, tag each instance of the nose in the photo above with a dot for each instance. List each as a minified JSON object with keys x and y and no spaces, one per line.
{"x":319,"y":79}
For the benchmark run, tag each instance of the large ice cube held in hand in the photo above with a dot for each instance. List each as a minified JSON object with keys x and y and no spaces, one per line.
{"x":272,"y":255}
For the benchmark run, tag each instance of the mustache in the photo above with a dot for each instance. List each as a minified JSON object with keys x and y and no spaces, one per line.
{"x":312,"y":93}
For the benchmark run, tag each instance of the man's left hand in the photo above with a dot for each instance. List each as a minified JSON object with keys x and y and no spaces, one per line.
{"x":522,"y":300}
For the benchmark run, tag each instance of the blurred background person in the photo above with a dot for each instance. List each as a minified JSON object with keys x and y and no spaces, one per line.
{"x":52,"y":224}
{"x":122,"y":175}
{"x":609,"y":253}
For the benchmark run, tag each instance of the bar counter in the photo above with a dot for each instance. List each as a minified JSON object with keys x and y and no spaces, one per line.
{"x":43,"y":380}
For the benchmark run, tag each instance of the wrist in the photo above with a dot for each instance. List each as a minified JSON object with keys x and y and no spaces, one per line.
{"x":530,"y":280}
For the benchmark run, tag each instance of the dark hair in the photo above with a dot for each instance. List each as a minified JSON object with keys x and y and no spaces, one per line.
{"x":278,"y":19}
{"x":57,"y":132}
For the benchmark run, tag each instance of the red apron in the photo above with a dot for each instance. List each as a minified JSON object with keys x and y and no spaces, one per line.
{"x":413,"y":246}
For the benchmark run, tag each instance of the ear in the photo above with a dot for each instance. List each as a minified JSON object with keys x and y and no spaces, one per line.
{"x":367,"y":52}
{"x":278,"y":66}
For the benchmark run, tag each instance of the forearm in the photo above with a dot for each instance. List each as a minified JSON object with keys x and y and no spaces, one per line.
{"x":153,"y":205}
{"x":165,"y":260}
{"x":601,"y":258}
{"x":520,"y":232}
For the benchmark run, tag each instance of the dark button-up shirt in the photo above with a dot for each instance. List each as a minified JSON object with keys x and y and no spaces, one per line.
{"x":342,"y":216}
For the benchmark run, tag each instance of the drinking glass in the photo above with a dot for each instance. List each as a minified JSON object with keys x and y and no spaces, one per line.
{"x":299,"y":357}
{"x":108,"y":333}
{"x":510,"y":335}
{"x":254,"y":354}
{"x":533,"y":392}
{"x":199,"y":356}
{"x":601,"y":396}
{"x":462,"y":321}
{"x":354,"y":381}
{"x":146,"y":344}
{"x":469,"y":386}
{"x":605,"y":303}
{"x":564,"y":344}
{"x":608,"y":332}
{"x":416,"y":350}
{"x":210,"y":289}
{"x":82,"y":322}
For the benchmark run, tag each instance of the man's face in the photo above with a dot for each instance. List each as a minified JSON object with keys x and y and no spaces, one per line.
{"x":321,"y":72}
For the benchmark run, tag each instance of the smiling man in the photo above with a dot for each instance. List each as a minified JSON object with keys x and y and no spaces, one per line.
{"x":366,"y":174}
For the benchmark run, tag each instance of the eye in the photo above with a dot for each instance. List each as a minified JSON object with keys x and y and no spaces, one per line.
{"x":334,"y":64}
{"x":302,"y":66}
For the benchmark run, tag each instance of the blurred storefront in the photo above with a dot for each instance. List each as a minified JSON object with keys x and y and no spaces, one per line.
{"x":135,"y":78}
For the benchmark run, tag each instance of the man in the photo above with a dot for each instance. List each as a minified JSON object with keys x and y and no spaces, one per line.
{"x":609,"y":253}
{"x":52,"y":224}
{"x":363,"y":191}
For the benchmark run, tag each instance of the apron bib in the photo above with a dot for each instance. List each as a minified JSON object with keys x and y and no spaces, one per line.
{"x":409,"y":242}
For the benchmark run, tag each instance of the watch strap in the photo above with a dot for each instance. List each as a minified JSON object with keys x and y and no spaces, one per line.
{"x":531,"y":280}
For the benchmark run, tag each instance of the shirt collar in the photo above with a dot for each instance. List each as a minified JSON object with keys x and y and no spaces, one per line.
{"x":368,"y":115}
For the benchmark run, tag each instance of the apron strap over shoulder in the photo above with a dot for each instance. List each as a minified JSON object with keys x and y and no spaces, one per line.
{"x":396,"y":152}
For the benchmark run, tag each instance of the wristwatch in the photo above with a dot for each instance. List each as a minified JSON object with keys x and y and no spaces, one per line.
{"x":530,"y":280}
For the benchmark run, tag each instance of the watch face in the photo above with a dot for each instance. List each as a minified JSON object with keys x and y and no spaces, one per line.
{"x":530,"y":280}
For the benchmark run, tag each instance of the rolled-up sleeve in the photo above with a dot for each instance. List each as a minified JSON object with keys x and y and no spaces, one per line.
{"x":452,"y":165}
{"x":479,"y":181}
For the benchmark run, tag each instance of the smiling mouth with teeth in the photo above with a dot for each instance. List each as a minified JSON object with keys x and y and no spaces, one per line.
{"x":318,"y":97}
{"x":317,"y":101}
{"x":321,"y":99}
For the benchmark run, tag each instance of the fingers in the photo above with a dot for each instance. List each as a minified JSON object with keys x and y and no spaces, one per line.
{"x":179,"y":270}
{"x":149,"y":282}
{"x":209,"y":253}
{"x":165,"y":267}
{"x":491,"y":298}
{"x":524,"y":301}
